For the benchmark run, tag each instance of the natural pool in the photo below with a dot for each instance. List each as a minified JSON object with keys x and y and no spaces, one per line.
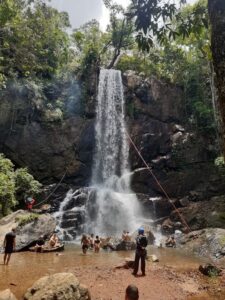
{"x":26,"y":267}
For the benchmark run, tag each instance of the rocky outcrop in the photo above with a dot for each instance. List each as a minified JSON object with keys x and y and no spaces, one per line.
{"x":7,"y":295}
{"x":203,"y":214}
{"x":209,"y":243}
{"x":59,"y":286}
{"x":29,"y":227}
{"x":54,"y":147}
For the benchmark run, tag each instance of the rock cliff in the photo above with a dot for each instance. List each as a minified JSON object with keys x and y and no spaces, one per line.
{"x":33,"y":133}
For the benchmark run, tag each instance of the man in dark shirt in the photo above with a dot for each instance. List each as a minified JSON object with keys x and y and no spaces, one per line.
{"x":141,"y":244}
{"x":9,"y":245}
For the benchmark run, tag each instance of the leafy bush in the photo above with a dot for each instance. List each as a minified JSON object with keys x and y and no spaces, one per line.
{"x":23,"y":220}
{"x":14,"y":184}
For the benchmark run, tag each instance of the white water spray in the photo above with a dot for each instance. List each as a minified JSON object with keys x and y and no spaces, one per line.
{"x":115,"y":207}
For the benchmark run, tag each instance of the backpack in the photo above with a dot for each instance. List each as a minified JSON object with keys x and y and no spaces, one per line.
{"x":142,"y":241}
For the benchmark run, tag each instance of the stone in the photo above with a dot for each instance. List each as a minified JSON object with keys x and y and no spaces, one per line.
{"x":167,"y":227}
{"x":210,"y":270}
{"x":154,"y":258}
{"x":207,"y":242}
{"x":184,"y":201}
{"x":59,"y":286}
{"x":7,"y":295}
{"x":29,"y":233}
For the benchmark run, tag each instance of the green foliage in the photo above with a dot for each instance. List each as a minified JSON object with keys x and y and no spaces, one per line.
{"x":14,"y":184}
{"x":25,"y":183}
{"x":33,"y":42}
{"x":220,"y":164}
{"x":7,"y":185}
{"x":154,"y":21}
{"x":23,"y":220}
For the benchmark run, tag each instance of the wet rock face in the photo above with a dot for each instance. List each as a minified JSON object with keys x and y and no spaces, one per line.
{"x":155,"y":120}
{"x":72,"y":213}
{"x":59,"y":286}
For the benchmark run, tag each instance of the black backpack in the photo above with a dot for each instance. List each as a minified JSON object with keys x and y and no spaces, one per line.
{"x":142,"y":241}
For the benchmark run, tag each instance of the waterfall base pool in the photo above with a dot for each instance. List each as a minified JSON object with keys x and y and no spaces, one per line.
{"x":174,"y":277}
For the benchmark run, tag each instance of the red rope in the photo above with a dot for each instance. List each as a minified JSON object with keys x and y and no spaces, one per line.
{"x":163,"y":190}
{"x":158,"y":183}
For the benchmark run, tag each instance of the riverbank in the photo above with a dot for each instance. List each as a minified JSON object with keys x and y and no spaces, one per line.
{"x":176,"y":276}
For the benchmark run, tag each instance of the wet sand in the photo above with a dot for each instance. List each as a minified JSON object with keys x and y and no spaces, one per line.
{"x":174,"y":277}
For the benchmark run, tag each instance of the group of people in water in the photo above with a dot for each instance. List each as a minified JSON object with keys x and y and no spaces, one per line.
{"x":90,"y":242}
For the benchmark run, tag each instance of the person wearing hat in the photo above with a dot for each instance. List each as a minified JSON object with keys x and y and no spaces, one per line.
{"x":140,"y":254}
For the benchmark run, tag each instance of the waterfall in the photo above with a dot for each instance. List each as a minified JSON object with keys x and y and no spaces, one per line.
{"x":115,"y":207}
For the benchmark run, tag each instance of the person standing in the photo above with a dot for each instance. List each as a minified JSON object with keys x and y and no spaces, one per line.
{"x":9,"y":245}
{"x":141,"y":244}
{"x":84,"y":243}
{"x":97,"y":244}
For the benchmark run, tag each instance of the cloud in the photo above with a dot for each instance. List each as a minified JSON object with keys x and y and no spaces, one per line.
{"x":80,"y":11}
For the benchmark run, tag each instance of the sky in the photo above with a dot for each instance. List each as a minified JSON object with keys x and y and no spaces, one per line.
{"x":82,"y":11}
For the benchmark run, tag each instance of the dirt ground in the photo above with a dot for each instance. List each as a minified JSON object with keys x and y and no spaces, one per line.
{"x":173,"y":277}
{"x":160,"y":283}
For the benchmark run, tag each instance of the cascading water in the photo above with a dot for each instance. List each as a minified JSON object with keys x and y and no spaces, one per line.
{"x":115,"y":207}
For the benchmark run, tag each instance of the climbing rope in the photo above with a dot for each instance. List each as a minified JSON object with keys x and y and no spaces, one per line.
{"x":53,"y":190}
{"x":164,"y":192}
{"x":158,"y":183}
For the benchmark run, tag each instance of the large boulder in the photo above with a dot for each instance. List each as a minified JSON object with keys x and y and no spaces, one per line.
{"x":203,"y":214}
{"x":59,"y":286}
{"x":209,"y":243}
{"x":7,"y":295}
{"x":29,"y":227}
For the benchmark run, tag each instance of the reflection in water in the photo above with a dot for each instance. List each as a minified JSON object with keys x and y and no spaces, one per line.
{"x":27,"y":267}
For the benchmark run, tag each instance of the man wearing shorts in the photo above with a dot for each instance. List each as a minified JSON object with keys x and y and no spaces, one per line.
{"x":9,"y":245}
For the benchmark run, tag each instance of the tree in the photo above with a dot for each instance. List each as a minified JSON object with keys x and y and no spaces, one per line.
{"x":153,"y":20}
{"x":217,"y":20}
{"x":33,"y":41}
{"x":14,"y":184}
{"x":120,"y":32}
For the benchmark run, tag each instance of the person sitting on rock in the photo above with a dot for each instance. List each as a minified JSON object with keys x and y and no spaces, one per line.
{"x":54,"y":241}
{"x":40,"y":243}
{"x":132,"y":292}
{"x":128,"y":237}
{"x":124,"y":235}
{"x":170,"y":242}
{"x":97,"y":244}
{"x":85,"y":243}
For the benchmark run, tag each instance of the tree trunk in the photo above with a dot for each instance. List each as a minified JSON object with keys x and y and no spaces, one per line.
{"x":216,"y":110}
{"x":217,"y":18}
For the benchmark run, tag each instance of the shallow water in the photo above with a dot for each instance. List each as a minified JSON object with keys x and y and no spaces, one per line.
{"x":26,"y":267}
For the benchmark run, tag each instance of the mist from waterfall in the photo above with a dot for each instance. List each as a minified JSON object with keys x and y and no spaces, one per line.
{"x":114,"y":207}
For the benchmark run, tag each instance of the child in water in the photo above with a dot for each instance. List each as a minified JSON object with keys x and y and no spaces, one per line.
{"x":97,"y":243}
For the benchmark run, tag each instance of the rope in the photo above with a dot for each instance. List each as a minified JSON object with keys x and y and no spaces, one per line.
{"x":163,"y":190}
{"x":53,"y":190}
{"x":158,"y":183}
